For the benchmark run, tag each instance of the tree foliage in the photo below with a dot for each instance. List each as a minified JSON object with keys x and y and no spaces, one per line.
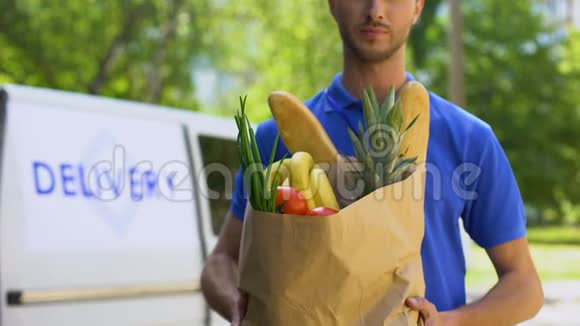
{"x":133,"y":49}
{"x":515,"y":82}
{"x":522,"y":76}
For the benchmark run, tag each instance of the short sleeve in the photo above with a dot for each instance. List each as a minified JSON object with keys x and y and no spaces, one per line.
{"x":239,"y":197}
{"x":494,"y":211}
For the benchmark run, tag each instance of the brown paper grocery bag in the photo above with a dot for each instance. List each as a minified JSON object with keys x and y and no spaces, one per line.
{"x":356,"y":267}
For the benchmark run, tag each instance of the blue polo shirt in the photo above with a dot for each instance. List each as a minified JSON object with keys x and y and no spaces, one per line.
{"x":469,"y":180}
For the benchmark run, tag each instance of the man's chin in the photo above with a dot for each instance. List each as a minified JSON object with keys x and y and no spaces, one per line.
{"x":374,"y":55}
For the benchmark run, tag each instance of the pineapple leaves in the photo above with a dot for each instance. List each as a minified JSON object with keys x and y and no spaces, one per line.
{"x":374,"y":105}
{"x":387,"y":105}
{"x":411,"y":124}
{"x":400,"y":168}
{"x":377,"y":147}
{"x":368,"y":109}
{"x":361,"y":133}
{"x":358,"y":146}
{"x":395,"y":116}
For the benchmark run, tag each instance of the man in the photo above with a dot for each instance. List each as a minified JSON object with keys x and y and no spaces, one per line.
{"x":486,"y":197}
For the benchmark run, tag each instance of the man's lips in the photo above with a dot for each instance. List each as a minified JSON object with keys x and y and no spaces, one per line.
{"x":373,"y":31}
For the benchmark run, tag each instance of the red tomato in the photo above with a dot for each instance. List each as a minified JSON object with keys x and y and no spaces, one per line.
{"x":291,"y":200}
{"x":321,"y":211}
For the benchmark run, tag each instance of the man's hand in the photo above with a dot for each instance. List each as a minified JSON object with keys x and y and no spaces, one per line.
{"x":219,"y":278}
{"x":516,"y":297}
{"x":429,"y":313}
{"x":240,"y":310}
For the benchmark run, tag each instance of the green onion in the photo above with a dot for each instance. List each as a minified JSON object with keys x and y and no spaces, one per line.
{"x":262,"y":196}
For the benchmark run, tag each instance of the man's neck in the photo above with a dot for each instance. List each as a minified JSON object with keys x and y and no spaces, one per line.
{"x":358,"y":75}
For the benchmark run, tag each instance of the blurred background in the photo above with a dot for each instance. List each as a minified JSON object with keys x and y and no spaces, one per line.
{"x":515,"y":64}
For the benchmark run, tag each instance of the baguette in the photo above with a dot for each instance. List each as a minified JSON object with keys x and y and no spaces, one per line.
{"x":415,"y":102}
{"x":299,"y":129}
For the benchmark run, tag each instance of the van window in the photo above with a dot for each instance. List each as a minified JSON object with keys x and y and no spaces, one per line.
{"x":220,"y":162}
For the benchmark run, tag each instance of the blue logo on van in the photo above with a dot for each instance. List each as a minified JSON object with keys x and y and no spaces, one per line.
{"x":78,"y":180}
{"x":113,"y":188}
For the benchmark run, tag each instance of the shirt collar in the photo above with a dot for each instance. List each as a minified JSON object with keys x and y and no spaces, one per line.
{"x":338,"y":97}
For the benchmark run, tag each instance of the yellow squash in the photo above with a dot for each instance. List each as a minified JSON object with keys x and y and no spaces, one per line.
{"x":300,"y":167}
{"x":320,"y":185}
{"x":283,"y":172}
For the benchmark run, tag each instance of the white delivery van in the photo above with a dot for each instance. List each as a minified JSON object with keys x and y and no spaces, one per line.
{"x":108,"y":209}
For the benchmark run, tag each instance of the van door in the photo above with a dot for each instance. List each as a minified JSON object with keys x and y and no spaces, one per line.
{"x":216,"y":159}
{"x":98,"y":217}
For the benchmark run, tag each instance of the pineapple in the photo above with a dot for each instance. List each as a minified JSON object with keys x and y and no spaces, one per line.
{"x":378,"y":147}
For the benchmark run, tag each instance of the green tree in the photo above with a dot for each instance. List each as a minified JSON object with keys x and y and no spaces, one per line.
{"x":514,"y":79}
{"x":266,"y":46}
{"x":570,"y":68}
{"x":419,"y":41}
{"x":133,"y":49}
{"x":520,"y":76}
{"x":514,"y":82}
{"x":294,"y":46}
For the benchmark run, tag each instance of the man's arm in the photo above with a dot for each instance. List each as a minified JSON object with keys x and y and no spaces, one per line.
{"x":219,"y":278}
{"x":517,"y":296}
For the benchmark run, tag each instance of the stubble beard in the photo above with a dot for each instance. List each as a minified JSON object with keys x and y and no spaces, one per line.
{"x":373,"y":56}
